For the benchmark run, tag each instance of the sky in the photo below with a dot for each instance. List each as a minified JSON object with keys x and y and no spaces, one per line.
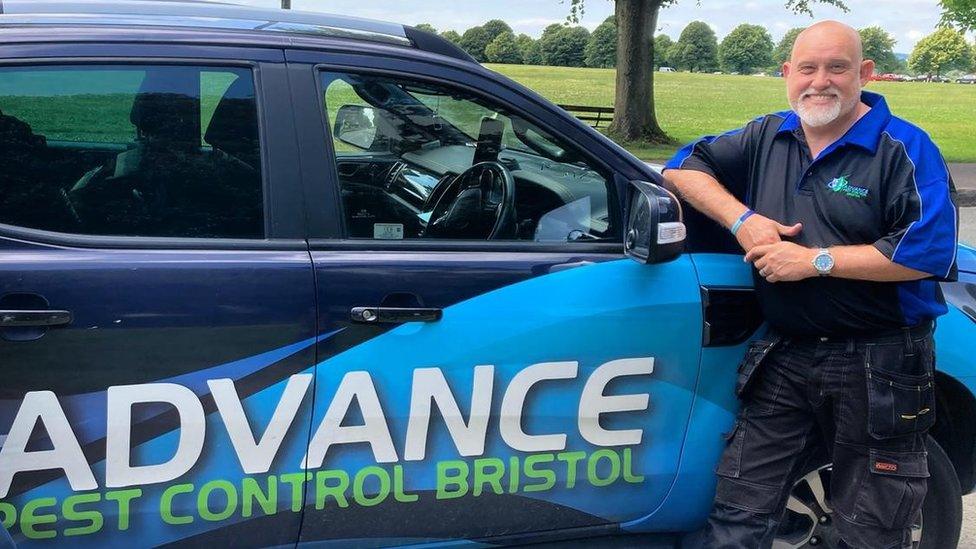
{"x":906,"y":20}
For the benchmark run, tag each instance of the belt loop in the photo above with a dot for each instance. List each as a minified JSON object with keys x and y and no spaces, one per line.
{"x":909,"y":344}
{"x":851,"y":345}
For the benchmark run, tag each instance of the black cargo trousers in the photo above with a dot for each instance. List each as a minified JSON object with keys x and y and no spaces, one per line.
{"x":868,"y":400}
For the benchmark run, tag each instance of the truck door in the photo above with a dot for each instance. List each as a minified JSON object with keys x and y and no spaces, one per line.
{"x":490,"y":364}
{"x":157,"y":319}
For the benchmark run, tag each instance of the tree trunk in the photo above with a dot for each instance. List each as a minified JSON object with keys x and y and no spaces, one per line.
{"x":633,"y":105}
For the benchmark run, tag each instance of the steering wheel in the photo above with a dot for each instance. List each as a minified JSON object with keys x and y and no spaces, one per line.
{"x":477,"y":204}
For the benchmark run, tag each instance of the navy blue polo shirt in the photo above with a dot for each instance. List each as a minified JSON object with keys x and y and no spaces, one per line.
{"x":883,"y":183}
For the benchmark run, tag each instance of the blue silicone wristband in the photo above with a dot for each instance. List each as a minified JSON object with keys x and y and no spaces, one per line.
{"x":740,"y":221}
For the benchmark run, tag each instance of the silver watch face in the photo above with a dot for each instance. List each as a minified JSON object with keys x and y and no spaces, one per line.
{"x":823,"y":262}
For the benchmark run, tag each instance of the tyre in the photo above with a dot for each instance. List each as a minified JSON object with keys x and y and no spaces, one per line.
{"x":807,"y":522}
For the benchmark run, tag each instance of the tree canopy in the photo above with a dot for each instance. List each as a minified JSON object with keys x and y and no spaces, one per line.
{"x":697,"y":48}
{"x":504,"y":49}
{"x":496,"y":27}
{"x":529,"y":48}
{"x":785,"y":46}
{"x":564,"y":47}
{"x":451,"y":36}
{"x":601,"y":50}
{"x":745,"y":49}
{"x":476,"y":39}
{"x":662,"y":51}
{"x":878,"y":46}
{"x":959,"y":12}
{"x":427,"y":27}
{"x":945,"y":49}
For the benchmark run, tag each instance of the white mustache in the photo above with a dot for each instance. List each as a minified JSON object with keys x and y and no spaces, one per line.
{"x":829,"y":91}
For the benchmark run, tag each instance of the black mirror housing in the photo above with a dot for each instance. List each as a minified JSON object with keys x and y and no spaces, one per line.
{"x":354,"y":126}
{"x":655,"y":230}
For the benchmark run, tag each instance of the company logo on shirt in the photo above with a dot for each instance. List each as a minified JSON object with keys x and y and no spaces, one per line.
{"x":843,"y":186}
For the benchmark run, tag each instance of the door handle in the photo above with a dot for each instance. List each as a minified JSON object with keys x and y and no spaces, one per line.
{"x":394,"y":315}
{"x":13,"y":319}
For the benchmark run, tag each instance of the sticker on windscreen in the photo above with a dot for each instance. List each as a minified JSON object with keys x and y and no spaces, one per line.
{"x":388,"y":231}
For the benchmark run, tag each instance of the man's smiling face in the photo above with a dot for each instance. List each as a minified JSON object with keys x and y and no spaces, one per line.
{"x":825,"y":73}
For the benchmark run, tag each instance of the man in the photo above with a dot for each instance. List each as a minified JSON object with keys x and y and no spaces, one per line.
{"x":845,"y":212}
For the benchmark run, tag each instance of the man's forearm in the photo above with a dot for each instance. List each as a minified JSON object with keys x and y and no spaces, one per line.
{"x":706,"y":195}
{"x":865,"y":262}
{"x":789,"y":262}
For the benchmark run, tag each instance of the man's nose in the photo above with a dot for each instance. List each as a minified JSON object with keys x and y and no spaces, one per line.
{"x":821,"y":79}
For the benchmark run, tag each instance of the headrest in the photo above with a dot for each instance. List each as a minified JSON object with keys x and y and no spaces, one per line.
{"x":234,"y":125}
{"x":167,"y":107}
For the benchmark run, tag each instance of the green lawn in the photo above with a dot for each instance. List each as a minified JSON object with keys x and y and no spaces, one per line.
{"x":691,"y":105}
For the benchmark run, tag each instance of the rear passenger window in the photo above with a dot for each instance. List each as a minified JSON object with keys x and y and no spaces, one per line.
{"x":163,"y":151}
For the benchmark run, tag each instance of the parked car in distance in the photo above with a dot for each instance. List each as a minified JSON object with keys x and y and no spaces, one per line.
{"x":966,"y":79}
{"x":666,"y":69}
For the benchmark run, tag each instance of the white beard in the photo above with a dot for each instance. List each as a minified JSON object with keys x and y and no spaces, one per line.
{"x":816,"y":117}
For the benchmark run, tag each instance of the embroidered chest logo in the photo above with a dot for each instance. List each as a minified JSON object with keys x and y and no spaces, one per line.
{"x":843,"y":186}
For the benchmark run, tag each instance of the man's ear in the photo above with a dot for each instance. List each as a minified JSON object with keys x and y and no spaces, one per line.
{"x":786,"y":69}
{"x":867,"y":69}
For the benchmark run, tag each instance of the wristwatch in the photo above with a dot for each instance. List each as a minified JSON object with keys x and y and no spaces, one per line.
{"x":823,"y":262}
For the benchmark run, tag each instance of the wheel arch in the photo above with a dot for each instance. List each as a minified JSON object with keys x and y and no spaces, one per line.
{"x":955,"y":429}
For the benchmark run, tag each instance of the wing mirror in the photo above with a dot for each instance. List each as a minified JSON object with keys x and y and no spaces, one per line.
{"x":354,"y":125}
{"x":655,"y":232}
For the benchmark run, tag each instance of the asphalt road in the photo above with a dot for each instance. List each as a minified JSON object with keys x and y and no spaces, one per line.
{"x":967,"y":233}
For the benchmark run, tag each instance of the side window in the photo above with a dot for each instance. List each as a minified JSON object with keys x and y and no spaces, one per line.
{"x":165,"y":151}
{"x":424,"y":161}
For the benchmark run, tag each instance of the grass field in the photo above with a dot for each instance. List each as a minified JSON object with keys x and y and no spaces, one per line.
{"x":691,"y":105}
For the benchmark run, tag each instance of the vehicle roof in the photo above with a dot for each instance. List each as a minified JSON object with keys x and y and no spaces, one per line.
{"x":197,"y":17}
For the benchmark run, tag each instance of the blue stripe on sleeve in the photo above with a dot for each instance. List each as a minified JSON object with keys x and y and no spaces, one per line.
{"x":929,"y":243}
{"x":679,"y":157}
{"x":684,"y":152}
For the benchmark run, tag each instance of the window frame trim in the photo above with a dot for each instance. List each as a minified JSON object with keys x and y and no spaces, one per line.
{"x":343,"y":242}
{"x":130,"y":241}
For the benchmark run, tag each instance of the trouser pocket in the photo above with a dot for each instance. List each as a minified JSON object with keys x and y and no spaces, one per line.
{"x":892,"y":493}
{"x":900,"y":387}
{"x":756,"y":353}
{"x":731,"y":460}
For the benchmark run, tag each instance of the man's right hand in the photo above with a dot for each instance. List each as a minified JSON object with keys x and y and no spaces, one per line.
{"x":757,"y":230}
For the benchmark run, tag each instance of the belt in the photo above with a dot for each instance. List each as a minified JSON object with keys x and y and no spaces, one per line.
{"x":892,"y":334}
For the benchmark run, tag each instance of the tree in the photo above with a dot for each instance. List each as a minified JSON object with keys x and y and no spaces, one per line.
{"x":943,"y":50}
{"x":745,"y":49}
{"x":601,"y":50}
{"x":474,"y":41}
{"x":662,"y":51}
{"x":451,"y":36}
{"x":496,"y":27}
{"x":504,"y":49}
{"x":551,"y":30}
{"x":426,"y":27}
{"x":879,"y":47}
{"x":564,"y":48}
{"x":784,"y":49}
{"x":634,"y":116}
{"x":697,"y":48}
{"x":959,"y":12}
{"x":529,"y":48}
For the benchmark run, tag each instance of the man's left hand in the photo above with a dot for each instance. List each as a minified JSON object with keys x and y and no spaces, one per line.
{"x":783,"y":261}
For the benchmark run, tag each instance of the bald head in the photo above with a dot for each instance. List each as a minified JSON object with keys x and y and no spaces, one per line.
{"x":828,"y":35}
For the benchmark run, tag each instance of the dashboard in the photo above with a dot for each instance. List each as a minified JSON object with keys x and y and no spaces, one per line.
{"x":554,"y":201}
